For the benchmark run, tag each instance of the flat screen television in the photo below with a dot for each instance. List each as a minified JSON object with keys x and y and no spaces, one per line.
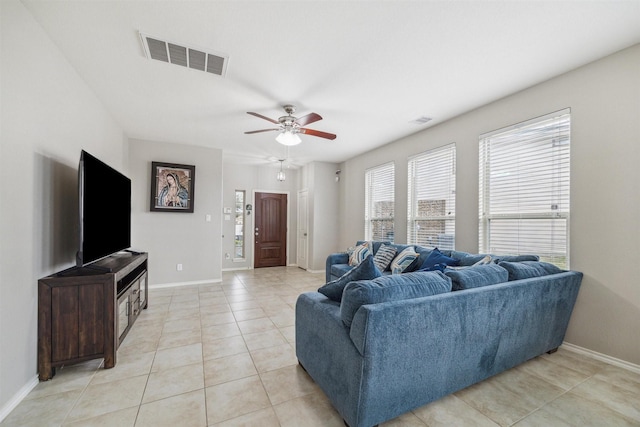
{"x":105,"y":210}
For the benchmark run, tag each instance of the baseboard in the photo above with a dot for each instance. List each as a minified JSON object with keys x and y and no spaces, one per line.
{"x":315,"y":271}
{"x":195,"y":282}
{"x":602,"y":357}
{"x":237,"y":269}
{"x":18,"y":397}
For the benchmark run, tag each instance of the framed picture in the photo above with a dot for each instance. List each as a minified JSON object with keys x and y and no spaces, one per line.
{"x":172,"y":187}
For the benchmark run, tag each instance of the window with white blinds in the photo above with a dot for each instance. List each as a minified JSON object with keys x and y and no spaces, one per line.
{"x":379,"y":203}
{"x":432,"y":198}
{"x":524,"y":189}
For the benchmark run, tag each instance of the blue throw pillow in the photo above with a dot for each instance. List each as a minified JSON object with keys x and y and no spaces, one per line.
{"x":477,"y":276}
{"x":423,"y":254}
{"x":390,"y":288}
{"x":437,"y":261}
{"x":364,"y":271}
{"x":529,"y":269}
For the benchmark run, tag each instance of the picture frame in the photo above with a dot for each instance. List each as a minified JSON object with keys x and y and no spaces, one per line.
{"x":172,"y":187}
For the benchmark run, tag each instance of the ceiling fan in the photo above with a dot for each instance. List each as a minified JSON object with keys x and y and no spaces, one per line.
{"x":290,"y":126}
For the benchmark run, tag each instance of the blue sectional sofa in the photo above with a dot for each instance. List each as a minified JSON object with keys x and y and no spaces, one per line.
{"x":396,"y":342}
{"x":337,"y":264}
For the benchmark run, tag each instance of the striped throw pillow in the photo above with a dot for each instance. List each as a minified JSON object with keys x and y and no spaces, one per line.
{"x":403,"y":260}
{"x":384,"y":256}
{"x":359,"y":254}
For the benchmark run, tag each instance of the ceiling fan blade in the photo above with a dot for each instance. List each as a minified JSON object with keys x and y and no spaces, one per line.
{"x":309,"y":118}
{"x":318,"y":133}
{"x":261,"y":130}
{"x":264,"y":117}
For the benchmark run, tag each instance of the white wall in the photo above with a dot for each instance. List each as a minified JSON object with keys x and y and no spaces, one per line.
{"x":251,"y":179}
{"x":323,"y":212}
{"x":604,"y":98}
{"x":173,"y":238}
{"x":47,"y":116}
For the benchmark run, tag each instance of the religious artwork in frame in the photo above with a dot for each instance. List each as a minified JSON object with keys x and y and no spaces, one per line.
{"x":172,"y":187}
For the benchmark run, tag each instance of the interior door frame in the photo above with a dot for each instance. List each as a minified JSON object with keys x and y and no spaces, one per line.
{"x":306,"y":227}
{"x":252,"y":234}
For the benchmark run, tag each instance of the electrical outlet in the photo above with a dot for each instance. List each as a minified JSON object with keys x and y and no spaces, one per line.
{"x":179,"y":267}
{"x":227,"y":256}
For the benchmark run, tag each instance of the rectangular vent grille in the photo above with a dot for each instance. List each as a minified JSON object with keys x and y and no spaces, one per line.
{"x":185,"y":56}
{"x":421,"y":120}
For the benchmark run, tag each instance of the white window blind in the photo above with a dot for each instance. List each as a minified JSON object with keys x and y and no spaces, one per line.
{"x":379,"y":203}
{"x":524,"y":189}
{"x":432,"y":198}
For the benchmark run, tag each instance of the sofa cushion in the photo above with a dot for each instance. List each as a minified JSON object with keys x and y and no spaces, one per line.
{"x":423,"y":254}
{"x":338,"y":270}
{"x":391,"y":288}
{"x":437,"y":261}
{"x":514,"y":258}
{"x":458,"y":254}
{"x":470,"y":260}
{"x":529,"y":269}
{"x":364,"y":271}
{"x":486,"y":260}
{"x":359,"y":254}
{"x":403,"y":260}
{"x":384,"y":256}
{"x":477,"y":276}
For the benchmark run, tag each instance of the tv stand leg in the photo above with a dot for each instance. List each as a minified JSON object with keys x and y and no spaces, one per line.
{"x":46,"y":372}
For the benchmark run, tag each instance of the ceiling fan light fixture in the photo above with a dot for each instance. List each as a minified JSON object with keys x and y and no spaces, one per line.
{"x":280,"y":176}
{"x":288,"y":138}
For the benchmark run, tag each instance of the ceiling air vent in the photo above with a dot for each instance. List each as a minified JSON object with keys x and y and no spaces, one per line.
{"x":421,"y":120}
{"x":198,"y":59}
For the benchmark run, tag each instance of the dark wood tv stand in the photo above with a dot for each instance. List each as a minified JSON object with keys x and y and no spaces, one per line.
{"x":85,"y":313}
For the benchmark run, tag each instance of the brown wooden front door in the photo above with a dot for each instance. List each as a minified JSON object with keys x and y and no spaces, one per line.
{"x":270,"y":234}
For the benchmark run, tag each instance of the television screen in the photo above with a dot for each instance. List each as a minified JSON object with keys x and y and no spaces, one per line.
{"x":105,"y":210}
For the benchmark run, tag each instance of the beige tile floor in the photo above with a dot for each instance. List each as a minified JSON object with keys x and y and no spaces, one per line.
{"x":223,"y":355}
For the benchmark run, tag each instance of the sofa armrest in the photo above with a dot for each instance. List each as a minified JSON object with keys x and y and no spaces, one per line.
{"x":337,"y":258}
{"x":326,"y":352}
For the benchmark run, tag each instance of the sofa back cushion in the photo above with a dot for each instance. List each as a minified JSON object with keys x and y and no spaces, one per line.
{"x":364,"y":271}
{"x":471,"y":259}
{"x":391,"y":288}
{"x":477,"y":276}
{"x":529,"y":269}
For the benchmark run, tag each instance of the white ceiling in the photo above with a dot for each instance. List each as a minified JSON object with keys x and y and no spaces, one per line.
{"x":368,"y":67}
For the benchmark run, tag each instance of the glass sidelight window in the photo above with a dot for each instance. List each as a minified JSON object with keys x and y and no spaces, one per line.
{"x":239,"y":239}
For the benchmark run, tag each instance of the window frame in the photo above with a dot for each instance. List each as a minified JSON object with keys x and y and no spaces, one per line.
{"x":559,"y":135}
{"x":445,"y":156}
{"x":375,"y":176}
